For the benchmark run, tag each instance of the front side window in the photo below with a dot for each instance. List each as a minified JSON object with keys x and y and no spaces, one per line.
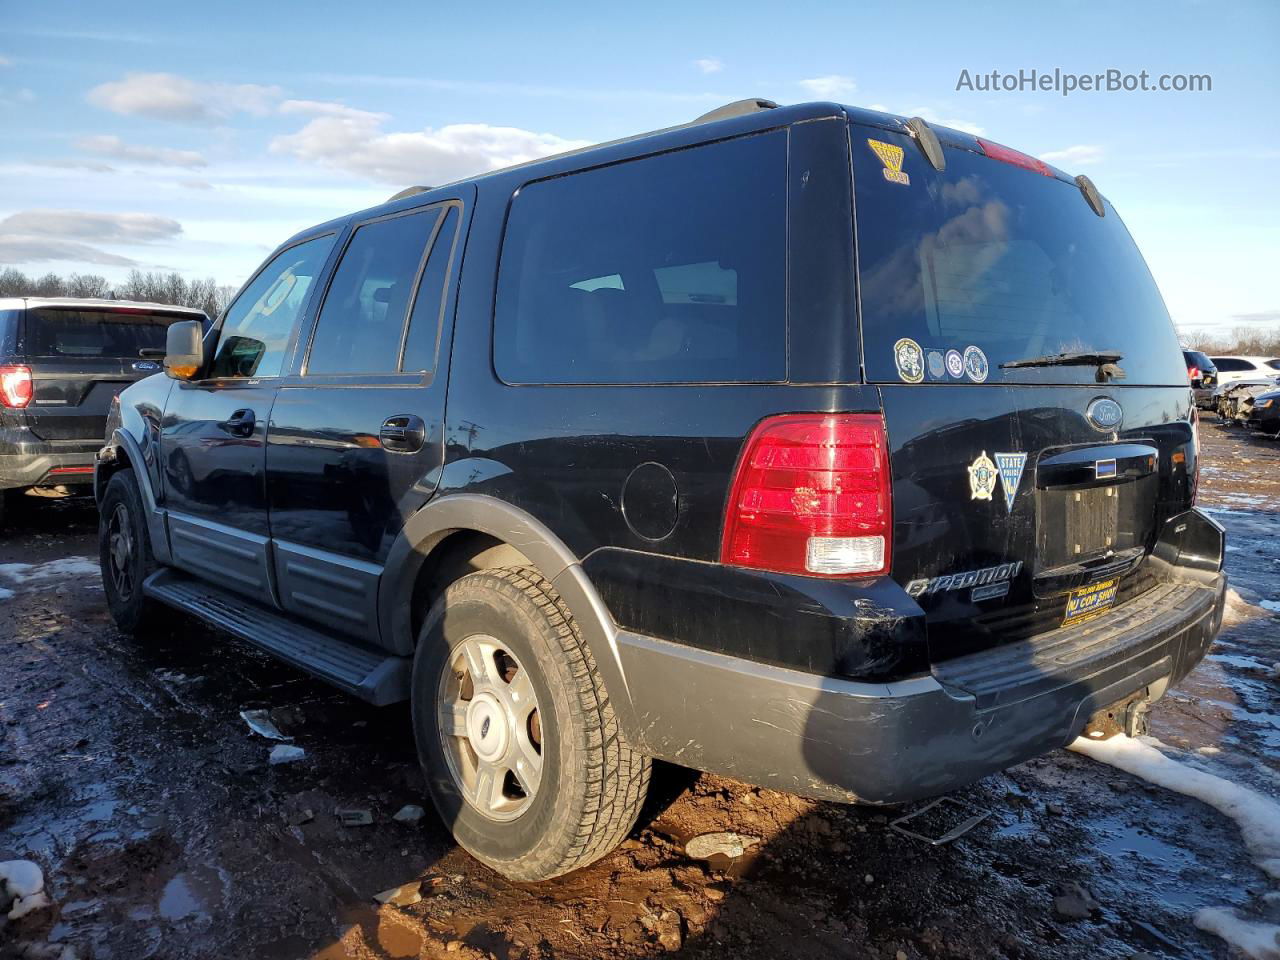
{"x":666,"y":269}
{"x":362,"y":321}
{"x":258,"y":326}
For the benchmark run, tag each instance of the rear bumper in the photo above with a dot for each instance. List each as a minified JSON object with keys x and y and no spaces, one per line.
{"x":28,"y":462}
{"x":891,"y":743}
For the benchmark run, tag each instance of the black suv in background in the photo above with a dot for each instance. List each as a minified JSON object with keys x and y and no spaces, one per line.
{"x":1203,"y":376}
{"x":645,"y":451}
{"x":62,"y":362}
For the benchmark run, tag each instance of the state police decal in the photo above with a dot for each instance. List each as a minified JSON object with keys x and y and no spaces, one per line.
{"x":1010,"y":466}
{"x":982,"y":478}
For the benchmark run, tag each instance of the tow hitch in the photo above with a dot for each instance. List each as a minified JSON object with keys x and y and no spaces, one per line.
{"x":1127,"y":716}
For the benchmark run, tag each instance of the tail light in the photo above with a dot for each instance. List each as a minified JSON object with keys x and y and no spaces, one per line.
{"x":811,"y":496}
{"x":1005,"y":154}
{"x":1193,"y":373}
{"x":15,"y":386}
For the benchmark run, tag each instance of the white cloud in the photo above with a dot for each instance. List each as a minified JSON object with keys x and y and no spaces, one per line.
{"x":709,"y":65}
{"x":831,"y":86}
{"x":38,"y":236}
{"x":1075,"y":156}
{"x":354,"y":140}
{"x":167,"y":96}
{"x":107,"y":145}
{"x":97,"y":227}
{"x":22,"y":249}
{"x":932,"y":116}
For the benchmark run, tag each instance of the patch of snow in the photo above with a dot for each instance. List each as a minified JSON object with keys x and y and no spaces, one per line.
{"x":23,"y":884}
{"x":65,"y":567}
{"x":1239,"y":609}
{"x":1273,"y":605}
{"x":1259,"y":941}
{"x":21,"y":878}
{"x":1257,"y":816}
{"x":5,"y":594}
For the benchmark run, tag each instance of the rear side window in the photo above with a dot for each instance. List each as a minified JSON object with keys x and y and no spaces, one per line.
{"x":1274,"y":364}
{"x":93,"y":334}
{"x":257,"y":328}
{"x":362,"y":321}
{"x":1232,"y":365}
{"x":669,"y":269}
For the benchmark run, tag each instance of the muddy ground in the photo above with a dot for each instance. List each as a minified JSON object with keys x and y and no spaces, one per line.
{"x":128,"y":774}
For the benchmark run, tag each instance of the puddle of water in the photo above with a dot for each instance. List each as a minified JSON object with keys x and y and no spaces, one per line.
{"x":192,"y":893}
{"x":178,"y":899}
{"x":1127,"y":843}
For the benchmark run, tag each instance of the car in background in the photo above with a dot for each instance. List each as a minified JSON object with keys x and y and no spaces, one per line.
{"x":62,"y":363}
{"x":1235,"y":368}
{"x":1203,"y":376}
{"x":1264,"y":412}
{"x":1232,"y":404}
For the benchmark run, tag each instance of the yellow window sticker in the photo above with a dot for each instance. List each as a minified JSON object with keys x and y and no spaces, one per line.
{"x":891,"y":156}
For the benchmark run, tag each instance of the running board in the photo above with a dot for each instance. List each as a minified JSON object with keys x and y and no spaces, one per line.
{"x":371,"y":675}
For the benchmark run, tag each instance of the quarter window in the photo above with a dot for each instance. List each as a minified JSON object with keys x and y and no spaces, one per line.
{"x":667,"y":269}
{"x":428,"y":306}
{"x":361,"y":323}
{"x":257,"y":328}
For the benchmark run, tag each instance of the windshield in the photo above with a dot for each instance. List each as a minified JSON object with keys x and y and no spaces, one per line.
{"x":94,"y":333}
{"x":995,"y":257}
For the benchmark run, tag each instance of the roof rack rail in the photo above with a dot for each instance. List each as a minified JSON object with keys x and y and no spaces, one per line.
{"x":408,"y":192}
{"x":737,"y":109}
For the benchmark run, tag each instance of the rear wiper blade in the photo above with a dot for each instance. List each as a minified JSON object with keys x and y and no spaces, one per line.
{"x":1082,"y":359}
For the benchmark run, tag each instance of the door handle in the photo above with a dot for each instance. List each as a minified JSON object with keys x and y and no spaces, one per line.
{"x":240,"y":423}
{"x":403,"y":433}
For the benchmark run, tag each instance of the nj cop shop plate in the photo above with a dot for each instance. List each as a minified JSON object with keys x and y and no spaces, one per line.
{"x":1085,"y":603}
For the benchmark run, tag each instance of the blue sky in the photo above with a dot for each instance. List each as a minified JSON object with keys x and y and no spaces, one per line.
{"x":196,"y":137}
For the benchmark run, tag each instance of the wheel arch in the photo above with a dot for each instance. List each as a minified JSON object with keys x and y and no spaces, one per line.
{"x":437,"y":541}
{"x":122,"y":452}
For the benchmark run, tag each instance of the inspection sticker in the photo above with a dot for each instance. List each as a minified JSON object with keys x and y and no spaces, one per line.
{"x":1088,"y":602}
{"x":891,"y":156}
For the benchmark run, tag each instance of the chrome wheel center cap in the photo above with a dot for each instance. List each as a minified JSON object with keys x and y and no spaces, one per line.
{"x":487,"y":727}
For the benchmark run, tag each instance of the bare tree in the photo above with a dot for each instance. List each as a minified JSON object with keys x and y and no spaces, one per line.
{"x":151,"y":287}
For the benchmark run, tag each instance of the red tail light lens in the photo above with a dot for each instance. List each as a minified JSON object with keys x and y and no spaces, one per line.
{"x":812,"y":496}
{"x":1005,"y":154}
{"x":15,"y":386}
{"x":1193,"y":373}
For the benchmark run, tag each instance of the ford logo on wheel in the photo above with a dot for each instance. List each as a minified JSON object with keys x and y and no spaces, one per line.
{"x":1105,"y":414}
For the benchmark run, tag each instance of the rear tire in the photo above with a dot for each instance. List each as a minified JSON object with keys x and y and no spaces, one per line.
{"x":124,"y":551}
{"x":563,"y":786}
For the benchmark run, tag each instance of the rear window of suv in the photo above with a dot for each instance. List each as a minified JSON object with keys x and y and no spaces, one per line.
{"x":73,"y":334}
{"x":993,"y":256}
{"x":667,"y":269}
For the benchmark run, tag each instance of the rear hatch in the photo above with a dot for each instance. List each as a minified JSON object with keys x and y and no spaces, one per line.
{"x":1025,"y":497}
{"x":80,"y":358}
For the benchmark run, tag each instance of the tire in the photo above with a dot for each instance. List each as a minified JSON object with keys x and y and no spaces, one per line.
{"x":585,"y":786}
{"x":124,"y":551}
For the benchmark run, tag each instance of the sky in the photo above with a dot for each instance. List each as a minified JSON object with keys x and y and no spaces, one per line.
{"x":197,"y":137}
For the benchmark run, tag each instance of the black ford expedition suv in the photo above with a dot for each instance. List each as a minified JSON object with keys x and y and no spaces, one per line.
{"x":62,"y":361}
{"x":807,"y":445}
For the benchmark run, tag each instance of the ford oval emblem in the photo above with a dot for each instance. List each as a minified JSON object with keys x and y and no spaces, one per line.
{"x":1105,"y":414}
{"x":146,"y":366}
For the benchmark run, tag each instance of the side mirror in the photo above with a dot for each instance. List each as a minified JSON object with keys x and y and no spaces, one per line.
{"x":184,"y":349}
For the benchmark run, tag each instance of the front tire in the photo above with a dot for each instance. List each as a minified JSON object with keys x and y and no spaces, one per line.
{"x":515,"y":730}
{"x":124,"y":551}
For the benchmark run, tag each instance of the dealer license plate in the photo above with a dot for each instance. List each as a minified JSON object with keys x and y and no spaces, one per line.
{"x":1088,"y":602}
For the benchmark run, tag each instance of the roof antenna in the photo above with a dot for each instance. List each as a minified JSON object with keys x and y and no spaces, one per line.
{"x":408,"y":192}
{"x":1091,"y":194}
{"x":737,"y":109}
{"x":929,"y":143}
